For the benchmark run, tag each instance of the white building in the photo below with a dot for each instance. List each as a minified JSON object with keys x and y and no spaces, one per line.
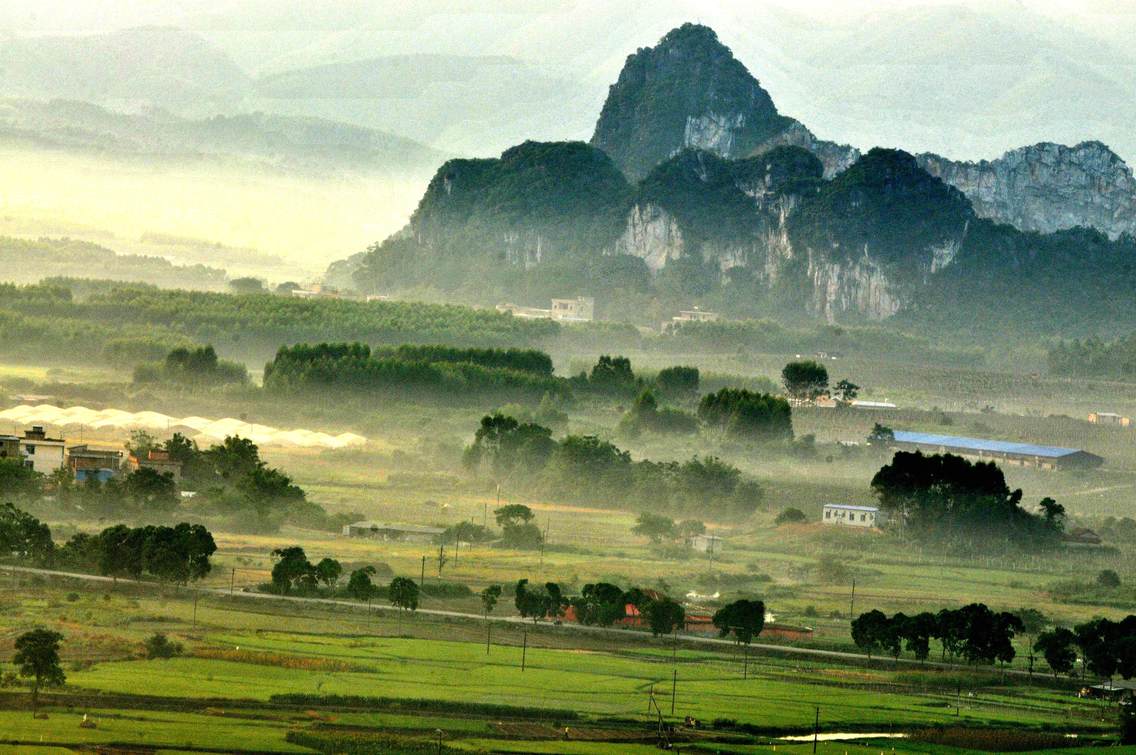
{"x":853,"y":516}
{"x":580,"y":309}
{"x":41,"y":453}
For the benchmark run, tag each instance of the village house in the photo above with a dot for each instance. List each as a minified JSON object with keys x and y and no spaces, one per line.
{"x":157,"y":460}
{"x":694,"y":315}
{"x":853,"y":516}
{"x":87,"y":462}
{"x":580,"y":309}
{"x":41,"y":453}
{"x":10,"y":447}
{"x":1109,"y":418}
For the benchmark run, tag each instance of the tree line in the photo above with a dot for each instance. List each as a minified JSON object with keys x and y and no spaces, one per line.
{"x":586,"y":469}
{"x":452,"y":372}
{"x":1107,"y":648}
{"x":177,"y":554}
{"x":1094,"y":357}
{"x":973,"y":633}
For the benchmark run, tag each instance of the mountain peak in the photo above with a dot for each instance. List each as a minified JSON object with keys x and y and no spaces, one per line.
{"x":690,"y":35}
{"x":687,"y":91}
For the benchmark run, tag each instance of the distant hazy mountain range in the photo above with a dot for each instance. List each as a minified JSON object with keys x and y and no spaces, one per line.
{"x":695,"y":187}
{"x":258,"y":138}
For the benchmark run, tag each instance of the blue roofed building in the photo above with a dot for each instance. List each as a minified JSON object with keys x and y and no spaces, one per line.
{"x":1005,"y":452}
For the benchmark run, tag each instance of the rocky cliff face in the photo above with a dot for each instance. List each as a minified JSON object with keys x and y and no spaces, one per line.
{"x":725,"y":213}
{"x":836,"y":158}
{"x":1047,"y":187}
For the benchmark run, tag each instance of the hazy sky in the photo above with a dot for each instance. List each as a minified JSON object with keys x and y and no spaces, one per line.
{"x":969,"y":78}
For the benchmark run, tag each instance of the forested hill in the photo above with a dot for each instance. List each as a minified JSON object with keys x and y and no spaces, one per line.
{"x":738,"y":209}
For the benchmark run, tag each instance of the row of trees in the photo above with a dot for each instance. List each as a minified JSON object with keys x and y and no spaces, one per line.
{"x":604,"y":604}
{"x":1094,"y":357}
{"x":353,"y":366}
{"x":973,"y":633}
{"x":1107,"y":647}
{"x":745,"y":415}
{"x":176,"y":554}
{"x":586,"y":469}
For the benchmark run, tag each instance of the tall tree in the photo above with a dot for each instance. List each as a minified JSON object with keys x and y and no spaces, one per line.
{"x":805,"y":380}
{"x":744,"y":618}
{"x":1057,"y":647}
{"x":359,"y":584}
{"x":37,"y":656}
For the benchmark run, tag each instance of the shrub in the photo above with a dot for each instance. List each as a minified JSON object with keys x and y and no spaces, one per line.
{"x":1108,"y":578}
{"x":160,"y":646}
{"x":790,"y":516}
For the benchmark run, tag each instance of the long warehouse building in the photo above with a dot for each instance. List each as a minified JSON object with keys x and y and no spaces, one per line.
{"x":1020,"y":454}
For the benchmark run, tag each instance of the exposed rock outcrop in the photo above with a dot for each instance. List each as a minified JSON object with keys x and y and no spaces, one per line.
{"x":836,"y":158}
{"x":1047,"y":187}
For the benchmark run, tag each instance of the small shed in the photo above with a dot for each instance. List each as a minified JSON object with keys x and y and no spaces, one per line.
{"x":706,"y":543}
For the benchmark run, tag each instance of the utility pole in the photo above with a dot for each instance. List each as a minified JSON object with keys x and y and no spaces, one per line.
{"x":195,"y":607}
{"x":852,"y":603}
{"x":422,"y":577}
{"x":232,"y":581}
{"x":816,"y":731}
{"x":524,"y":650}
{"x":674,"y":686}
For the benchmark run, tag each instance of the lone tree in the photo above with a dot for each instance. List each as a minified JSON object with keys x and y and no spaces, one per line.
{"x":359,"y":584}
{"x":870,"y":630}
{"x":745,"y":618}
{"x":845,"y":391}
{"x":805,"y":380}
{"x":517,"y":527}
{"x":328,"y":571}
{"x":292,"y":570}
{"x":489,"y":597}
{"x":665,"y":616}
{"x":403,"y":594}
{"x":654,"y":526}
{"x":1056,"y":646}
{"x":37,"y":656}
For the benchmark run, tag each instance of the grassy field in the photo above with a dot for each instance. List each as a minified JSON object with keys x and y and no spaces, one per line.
{"x":241,"y":652}
{"x":239,"y":655}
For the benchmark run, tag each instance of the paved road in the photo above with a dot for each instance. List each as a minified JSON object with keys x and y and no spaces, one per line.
{"x":696,"y":639}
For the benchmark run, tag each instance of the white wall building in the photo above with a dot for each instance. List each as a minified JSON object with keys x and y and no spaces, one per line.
{"x":41,"y":453}
{"x":853,"y":516}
